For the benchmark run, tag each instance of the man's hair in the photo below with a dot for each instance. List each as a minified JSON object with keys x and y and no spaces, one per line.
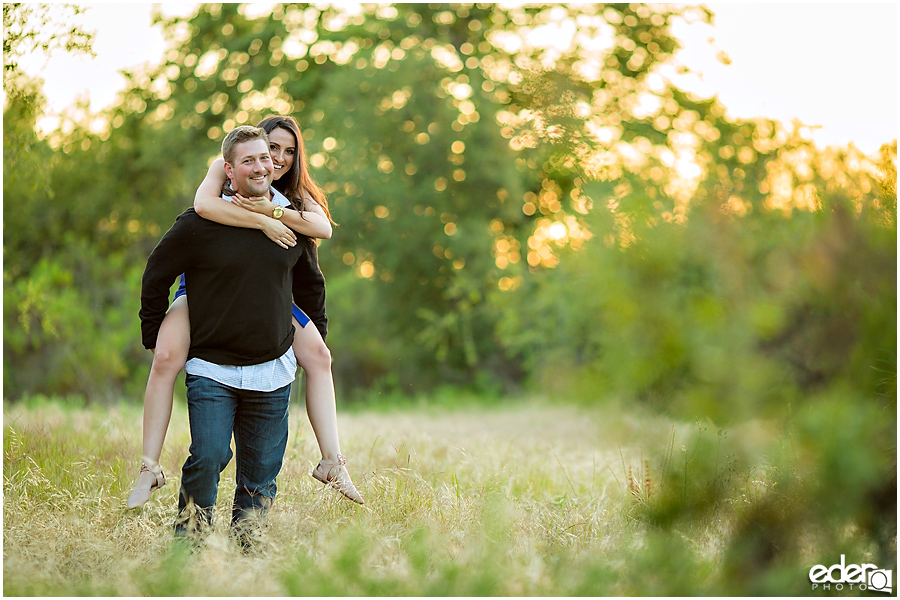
{"x":239,"y":135}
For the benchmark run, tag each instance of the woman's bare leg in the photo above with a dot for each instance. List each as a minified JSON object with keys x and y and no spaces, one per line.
{"x":315,"y":359}
{"x":172,"y":344}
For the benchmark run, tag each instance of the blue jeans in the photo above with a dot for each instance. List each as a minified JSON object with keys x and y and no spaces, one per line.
{"x":259,"y":422}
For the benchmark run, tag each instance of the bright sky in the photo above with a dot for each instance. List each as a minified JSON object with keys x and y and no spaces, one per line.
{"x":833,"y":65}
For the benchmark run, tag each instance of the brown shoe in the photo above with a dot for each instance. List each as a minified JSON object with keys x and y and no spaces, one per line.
{"x":146,"y":484}
{"x":334,"y":473}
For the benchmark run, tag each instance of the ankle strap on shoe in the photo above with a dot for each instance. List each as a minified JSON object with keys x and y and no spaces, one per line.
{"x":340,"y":461}
{"x":150,"y":466}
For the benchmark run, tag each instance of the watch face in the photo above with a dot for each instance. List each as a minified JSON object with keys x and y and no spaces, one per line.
{"x":277,"y":212}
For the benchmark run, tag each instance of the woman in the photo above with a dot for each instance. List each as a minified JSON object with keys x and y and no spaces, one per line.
{"x":311,"y":219}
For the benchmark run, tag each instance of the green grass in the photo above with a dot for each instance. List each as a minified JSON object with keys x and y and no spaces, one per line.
{"x":520,"y":499}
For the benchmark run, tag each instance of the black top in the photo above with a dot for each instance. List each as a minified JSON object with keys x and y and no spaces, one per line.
{"x":239,"y":286}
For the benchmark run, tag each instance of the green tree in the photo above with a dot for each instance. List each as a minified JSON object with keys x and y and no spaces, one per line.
{"x":465,"y":153}
{"x":40,"y":306}
{"x":771,"y":296}
{"x":32,"y":28}
{"x":417,"y":121}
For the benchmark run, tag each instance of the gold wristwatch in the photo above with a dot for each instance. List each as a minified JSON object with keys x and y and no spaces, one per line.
{"x":277,"y":212}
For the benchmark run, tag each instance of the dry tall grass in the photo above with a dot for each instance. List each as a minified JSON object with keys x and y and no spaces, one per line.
{"x":526,"y":499}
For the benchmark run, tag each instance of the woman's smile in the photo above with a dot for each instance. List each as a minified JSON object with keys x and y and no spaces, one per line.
{"x":283,"y":149}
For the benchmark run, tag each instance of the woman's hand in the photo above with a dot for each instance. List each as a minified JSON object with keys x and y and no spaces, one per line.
{"x":274,"y":229}
{"x":279,"y":233}
{"x":257,"y":204}
{"x":250,"y":213}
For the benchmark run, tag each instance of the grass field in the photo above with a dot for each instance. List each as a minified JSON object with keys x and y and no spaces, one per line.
{"x":520,"y":498}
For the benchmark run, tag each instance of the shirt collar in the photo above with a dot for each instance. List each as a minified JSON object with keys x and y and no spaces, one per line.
{"x":279,"y":198}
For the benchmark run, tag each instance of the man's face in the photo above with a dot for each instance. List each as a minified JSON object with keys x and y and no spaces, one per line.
{"x":252,"y":170}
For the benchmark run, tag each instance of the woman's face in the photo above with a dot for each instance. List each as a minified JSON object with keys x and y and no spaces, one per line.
{"x":283,"y":149}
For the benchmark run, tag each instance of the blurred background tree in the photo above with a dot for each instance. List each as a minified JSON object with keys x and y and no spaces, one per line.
{"x":480,"y":159}
{"x":423,"y":124}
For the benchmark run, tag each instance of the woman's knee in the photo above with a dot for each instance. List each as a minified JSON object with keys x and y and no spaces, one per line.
{"x":173,"y":340}
{"x":167,"y":361}
{"x":314,"y":356}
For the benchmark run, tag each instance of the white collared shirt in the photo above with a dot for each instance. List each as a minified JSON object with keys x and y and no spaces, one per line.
{"x":279,"y":198}
{"x":265,"y":377}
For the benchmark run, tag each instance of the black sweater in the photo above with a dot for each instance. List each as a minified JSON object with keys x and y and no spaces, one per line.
{"x":239,"y":286}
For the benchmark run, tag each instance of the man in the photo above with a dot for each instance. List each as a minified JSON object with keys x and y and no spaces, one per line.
{"x":240,"y":364}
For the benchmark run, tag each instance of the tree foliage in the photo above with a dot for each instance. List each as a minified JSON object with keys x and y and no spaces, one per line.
{"x":479,"y":160}
{"x":423,"y":123}
{"x":30,"y":28}
{"x":524,"y":202}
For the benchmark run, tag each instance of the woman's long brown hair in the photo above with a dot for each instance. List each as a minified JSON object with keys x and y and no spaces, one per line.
{"x":297,"y":182}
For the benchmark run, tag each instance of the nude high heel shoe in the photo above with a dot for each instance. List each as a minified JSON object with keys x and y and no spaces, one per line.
{"x":146,"y":484}
{"x":334,"y":473}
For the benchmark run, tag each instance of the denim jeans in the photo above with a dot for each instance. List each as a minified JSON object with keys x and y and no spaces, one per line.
{"x":259,"y":423}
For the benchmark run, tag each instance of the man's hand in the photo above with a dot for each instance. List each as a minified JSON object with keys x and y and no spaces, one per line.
{"x":257,"y":204}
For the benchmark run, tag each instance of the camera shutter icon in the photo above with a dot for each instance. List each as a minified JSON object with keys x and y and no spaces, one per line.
{"x":880,"y":580}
